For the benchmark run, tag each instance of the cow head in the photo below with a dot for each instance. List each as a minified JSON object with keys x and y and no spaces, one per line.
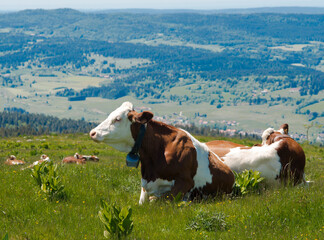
{"x":284,"y":128}
{"x":266,"y":134}
{"x":116,"y":129}
{"x":269,"y":135}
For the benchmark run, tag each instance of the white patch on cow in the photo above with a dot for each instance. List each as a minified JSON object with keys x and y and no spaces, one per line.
{"x":266,"y":134}
{"x":115,"y":130}
{"x":281,"y":130}
{"x":203,"y":174}
{"x":144,"y":195}
{"x":16,"y":163}
{"x":157,"y":187}
{"x":264,"y":159}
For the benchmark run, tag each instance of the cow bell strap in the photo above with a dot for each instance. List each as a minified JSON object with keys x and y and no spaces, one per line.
{"x":139,"y":139}
{"x":132,"y":159}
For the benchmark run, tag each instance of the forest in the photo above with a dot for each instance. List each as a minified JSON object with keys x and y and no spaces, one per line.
{"x":16,"y":122}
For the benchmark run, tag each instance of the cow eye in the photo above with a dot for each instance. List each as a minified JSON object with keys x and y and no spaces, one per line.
{"x":117,"y":119}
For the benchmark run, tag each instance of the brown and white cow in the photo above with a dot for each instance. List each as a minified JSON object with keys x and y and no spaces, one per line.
{"x":172,"y":160}
{"x":43,"y":158}
{"x":278,"y":157}
{"x":12,"y":160}
{"x":74,"y":159}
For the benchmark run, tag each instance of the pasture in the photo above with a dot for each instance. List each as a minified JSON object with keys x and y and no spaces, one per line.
{"x":272,"y":213}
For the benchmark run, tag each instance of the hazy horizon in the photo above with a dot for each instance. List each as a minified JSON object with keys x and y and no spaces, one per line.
{"x":16,"y":5}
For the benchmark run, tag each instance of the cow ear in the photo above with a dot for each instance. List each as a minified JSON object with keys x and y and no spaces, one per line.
{"x":143,"y":117}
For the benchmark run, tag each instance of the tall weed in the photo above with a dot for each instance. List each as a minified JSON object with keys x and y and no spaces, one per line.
{"x":47,"y":178}
{"x":246,"y":181}
{"x":117,"y":221}
{"x":6,"y":237}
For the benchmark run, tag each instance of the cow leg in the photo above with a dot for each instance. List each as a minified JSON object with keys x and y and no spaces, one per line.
{"x":182,"y":186}
{"x":143,"y":197}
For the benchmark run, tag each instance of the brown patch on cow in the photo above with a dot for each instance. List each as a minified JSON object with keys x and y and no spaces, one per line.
{"x":292,"y":158}
{"x":223,"y":177}
{"x":72,"y":159}
{"x":221,"y":147}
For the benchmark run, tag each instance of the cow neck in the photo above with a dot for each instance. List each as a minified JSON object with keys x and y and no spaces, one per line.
{"x":280,"y":136}
{"x":133,"y":158}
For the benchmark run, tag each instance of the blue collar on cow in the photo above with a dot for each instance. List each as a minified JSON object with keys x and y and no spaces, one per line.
{"x":133,"y":158}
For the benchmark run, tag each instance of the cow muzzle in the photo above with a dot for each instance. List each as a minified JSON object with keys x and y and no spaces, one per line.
{"x":94,"y":135}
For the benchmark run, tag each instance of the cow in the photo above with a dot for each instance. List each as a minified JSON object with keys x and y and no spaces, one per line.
{"x":279,"y":157}
{"x":43,"y":158}
{"x":74,"y":159}
{"x":172,"y":161}
{"x":12,"y":160}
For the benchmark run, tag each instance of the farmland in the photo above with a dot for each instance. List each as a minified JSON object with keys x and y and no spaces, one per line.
{"x":258,"y":69}
{"x":280,"y":213}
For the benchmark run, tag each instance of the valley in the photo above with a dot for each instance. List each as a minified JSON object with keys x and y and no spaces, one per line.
{"x":259,"y":70}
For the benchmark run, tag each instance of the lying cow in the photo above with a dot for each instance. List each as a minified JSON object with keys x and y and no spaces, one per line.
{"x":43,"y":158}
{"x":171,"y":159}
{"x":74,"y":159}
{"x":12,"y":160}
{"x":278,"y":157}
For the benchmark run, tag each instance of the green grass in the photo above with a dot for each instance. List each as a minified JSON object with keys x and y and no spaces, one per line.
{"x":280,"y":213}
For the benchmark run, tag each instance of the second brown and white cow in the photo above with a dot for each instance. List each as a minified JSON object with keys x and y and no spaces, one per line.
{"x":172,"y":160}
{"x":43,"y":158}
{"x":12,"y":160}
{"x":279,"y":157}
{"x":77,"y":159}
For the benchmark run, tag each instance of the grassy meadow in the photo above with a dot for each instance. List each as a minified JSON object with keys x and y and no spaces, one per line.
{"x":273,"y":213}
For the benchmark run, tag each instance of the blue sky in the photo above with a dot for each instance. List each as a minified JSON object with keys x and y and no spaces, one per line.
{"x":156,"y":4}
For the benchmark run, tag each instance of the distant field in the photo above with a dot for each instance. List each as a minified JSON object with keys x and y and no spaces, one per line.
{"x":76,"y":82}
{"x":176,"y":42}
{"x":294,"y":47}
{"x":279,"y":213}
{"x":316,"y":107}
{"x":97,"y":109}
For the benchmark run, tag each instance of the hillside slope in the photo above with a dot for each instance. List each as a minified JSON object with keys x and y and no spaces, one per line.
{"x":257,"y":69}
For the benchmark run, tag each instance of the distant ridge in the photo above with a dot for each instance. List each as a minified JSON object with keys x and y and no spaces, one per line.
{"x":282,"y":10}
{"x":278,"y":10}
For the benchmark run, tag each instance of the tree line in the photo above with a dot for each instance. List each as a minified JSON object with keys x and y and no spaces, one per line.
{"x":16,"y":122}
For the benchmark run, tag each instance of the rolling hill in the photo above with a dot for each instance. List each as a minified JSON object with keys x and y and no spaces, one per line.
{"x":259,"y":68}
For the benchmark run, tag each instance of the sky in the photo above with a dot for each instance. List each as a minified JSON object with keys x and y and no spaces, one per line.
{"x":153,"y":4}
